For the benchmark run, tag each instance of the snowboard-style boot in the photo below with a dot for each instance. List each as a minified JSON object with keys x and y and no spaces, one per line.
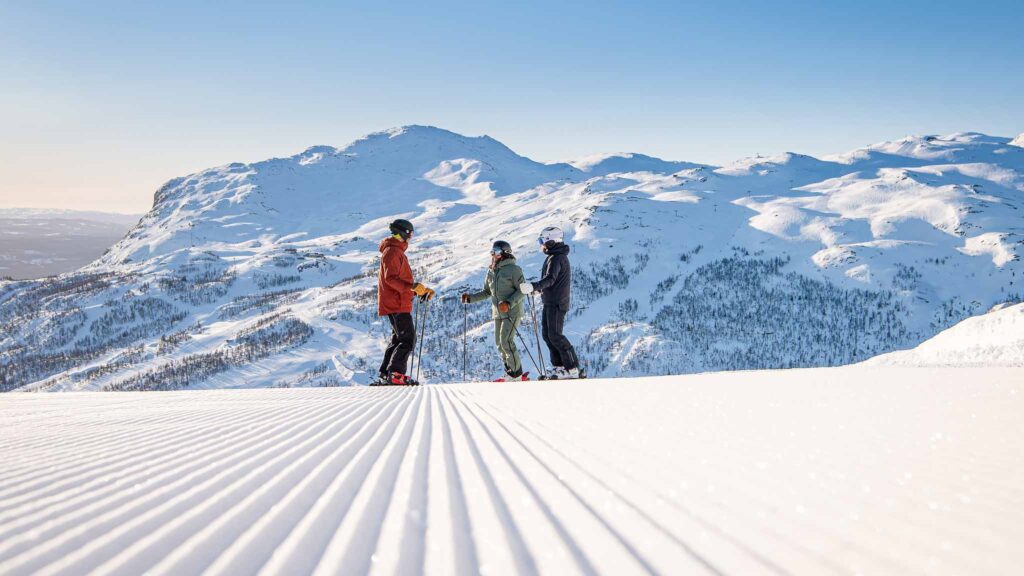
{"x":381,"y":380}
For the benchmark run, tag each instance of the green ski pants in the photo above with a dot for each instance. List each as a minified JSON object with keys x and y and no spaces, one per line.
{"x":505,"y":339}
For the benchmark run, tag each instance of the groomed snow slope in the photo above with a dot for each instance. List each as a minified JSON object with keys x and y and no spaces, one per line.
{"x":992,"y":339}
{"x":822,"y":471}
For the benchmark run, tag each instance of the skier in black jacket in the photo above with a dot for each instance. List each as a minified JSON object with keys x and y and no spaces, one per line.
{"x":555,"y":287}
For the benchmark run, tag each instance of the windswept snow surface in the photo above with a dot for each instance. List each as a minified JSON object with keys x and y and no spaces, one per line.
{"x":821,"y":471}
{"x":992,"y":339}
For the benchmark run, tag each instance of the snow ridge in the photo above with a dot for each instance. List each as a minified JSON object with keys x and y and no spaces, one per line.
{"x":992,"y":339}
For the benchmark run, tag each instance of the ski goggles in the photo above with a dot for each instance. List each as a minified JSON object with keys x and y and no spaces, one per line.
{"x":541,"y":241}
{"x":496,"y":251}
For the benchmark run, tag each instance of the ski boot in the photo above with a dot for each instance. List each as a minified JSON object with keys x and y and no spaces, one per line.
{"x":399,"y":379}
{"x":557,"y":373}
{"x":524,"y":377}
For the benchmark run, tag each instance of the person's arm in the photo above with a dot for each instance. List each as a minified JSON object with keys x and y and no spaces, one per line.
{"x":483,"y":294}
{"x":549,"y":279}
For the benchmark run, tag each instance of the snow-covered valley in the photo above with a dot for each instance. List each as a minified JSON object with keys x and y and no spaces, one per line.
{"x":852,"y":470}
{"x":256,"y":275}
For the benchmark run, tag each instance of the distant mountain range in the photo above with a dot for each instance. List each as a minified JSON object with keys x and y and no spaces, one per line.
{"x":263,"y":274}
{"x":36,"y":242}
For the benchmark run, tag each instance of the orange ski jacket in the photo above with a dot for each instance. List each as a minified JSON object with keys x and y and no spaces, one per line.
{"x":394,"y":281}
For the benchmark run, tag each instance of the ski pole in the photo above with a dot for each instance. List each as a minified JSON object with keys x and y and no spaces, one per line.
{"x":536,"y":336}
{"x":419,"y":359}
{"x":417,"y":323}
{"x":465,"y":347}
{"x":417,"y":328}
{"x":416,"y":333}
{"x":526,"y":347}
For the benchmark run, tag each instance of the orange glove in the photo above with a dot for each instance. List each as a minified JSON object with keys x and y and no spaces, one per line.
{"x":419,"y":289}
{"x":504,"y":307}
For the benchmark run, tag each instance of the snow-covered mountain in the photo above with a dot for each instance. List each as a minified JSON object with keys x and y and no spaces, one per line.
{"x":258,"y":274}
{"x":37,"y":242}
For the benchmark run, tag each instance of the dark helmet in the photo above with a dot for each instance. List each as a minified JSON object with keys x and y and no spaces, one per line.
{"x":401,"y":227}
{"x":501,"y":247}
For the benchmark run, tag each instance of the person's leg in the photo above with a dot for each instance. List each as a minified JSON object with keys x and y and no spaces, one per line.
{"x":405,"y":334}
{"x":566,"y":353}
{"x":548,"y":318}
{"x":497,"y":341}
{"x":516,"y":359}
{"x":505,"y":335}
{"x":389,"y":352}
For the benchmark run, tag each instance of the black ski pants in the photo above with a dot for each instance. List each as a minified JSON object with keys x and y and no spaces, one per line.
{"x":560,"y":350}
{"x":403,"y":339}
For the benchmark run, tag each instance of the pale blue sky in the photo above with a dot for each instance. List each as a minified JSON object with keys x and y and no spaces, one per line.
{"x":102,"y":102}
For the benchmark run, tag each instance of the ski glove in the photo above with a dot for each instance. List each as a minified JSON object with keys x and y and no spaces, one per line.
{"x":465,"y":298}
{"x":526,"y":288}
{"x":503,"y":307}
{"x":422,"y":291}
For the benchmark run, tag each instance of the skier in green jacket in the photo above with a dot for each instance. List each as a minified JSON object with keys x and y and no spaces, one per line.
{"x":502,"y":288}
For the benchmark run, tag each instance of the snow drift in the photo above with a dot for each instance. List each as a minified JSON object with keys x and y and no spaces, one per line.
{"x":992,"y":339}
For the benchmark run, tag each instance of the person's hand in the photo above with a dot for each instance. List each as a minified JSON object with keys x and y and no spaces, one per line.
{"x":465,"y":298}
{"x":526,"y":288}
{"x":504,"y":307}
{"x":428,"y":294}
{"x":419,"y":289}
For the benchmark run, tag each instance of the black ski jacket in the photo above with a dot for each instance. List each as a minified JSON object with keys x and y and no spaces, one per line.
{"x":555,"y":284}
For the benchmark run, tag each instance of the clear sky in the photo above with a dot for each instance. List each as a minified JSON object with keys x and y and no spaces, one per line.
{"x":101,"y":102}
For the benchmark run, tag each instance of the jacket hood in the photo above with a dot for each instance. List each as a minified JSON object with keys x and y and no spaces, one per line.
{"x":557,"y":248}
{"x":392,"y":242}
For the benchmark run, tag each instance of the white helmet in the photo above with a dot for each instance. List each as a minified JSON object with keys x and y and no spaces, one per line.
{"x":550,"y":234}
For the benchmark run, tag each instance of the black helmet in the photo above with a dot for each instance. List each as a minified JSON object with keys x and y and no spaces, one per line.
{"x":501,"y":247}
{"x":401,"y":227}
